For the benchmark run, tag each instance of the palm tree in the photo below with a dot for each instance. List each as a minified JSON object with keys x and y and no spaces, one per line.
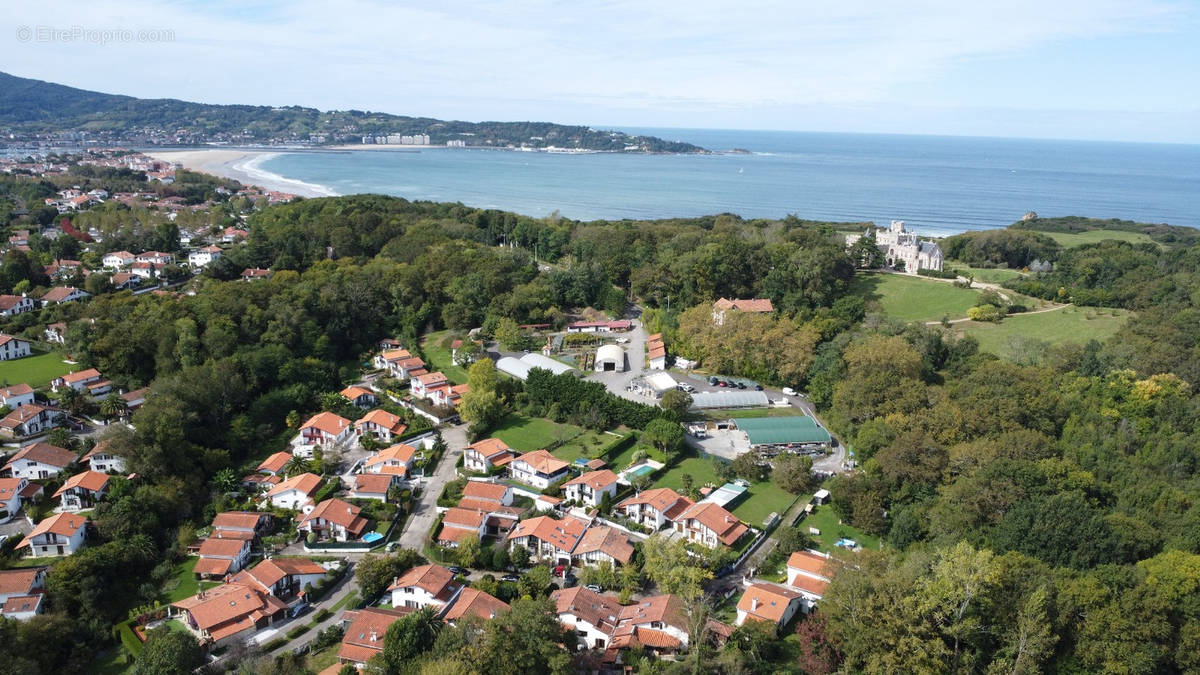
{"x":296,"y":465}
{"x":113,"y":406}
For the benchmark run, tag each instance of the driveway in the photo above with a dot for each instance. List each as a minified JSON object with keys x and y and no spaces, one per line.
{"x":635,"y":362}
{"x":344,"y":587}
{"x":425,"y":512}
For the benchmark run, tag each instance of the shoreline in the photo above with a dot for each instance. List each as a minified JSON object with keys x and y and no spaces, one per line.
{"x":244,"y":166}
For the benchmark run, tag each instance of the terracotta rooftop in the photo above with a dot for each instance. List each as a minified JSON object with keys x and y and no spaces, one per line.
{"x":92,"y":481}
{"x":247,"y":520}
{"x":562,"y":534}
{"x":766,"y":602}
{"x":477,"y":489}
{"x":43,"y":453}
{"x":475,"y":602}
{"x":306,"y":483}
{"x":490,"y":447}
{"x":372,"y":483}
{"x":221,"y":548}
{"x":364,"y":636}
{"x":397,"y":453}
{"x":664,"y":500}
{"x":542,"y":462}
{"x":275,"y":463}
{"x":813,"y":563}
{"x":354,"y":391}
{"x":433,"y":579}
{"x":340,"y":513}
{"x":727,"y":527}
{"x":602,"y":611}
{"x":385,"y":419}
{"x":328,"y":423}
{"x":752,"y":305}
{"x":65,"y":524}
{"x":607,"y":540}
{"x":597,"y":480}
{"x":19,"y":580}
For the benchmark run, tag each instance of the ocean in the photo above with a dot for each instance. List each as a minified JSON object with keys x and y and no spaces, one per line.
{"x":937,"y":185}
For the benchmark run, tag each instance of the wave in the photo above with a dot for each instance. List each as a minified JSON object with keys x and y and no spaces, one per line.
{"x":252,"y":168}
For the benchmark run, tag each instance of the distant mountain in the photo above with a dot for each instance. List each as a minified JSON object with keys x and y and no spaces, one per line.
{"x":33,"y":110}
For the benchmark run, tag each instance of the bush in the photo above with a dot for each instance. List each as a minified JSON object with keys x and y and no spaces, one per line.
{"x":985,"y":313}
{"x":938,"y":274}
{"x":321,"y":615}
{"x":275,"y":644}
{"x":297,"y":631}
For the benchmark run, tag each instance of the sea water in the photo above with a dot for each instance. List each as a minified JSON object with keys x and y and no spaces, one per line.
{"x":938,"y":185}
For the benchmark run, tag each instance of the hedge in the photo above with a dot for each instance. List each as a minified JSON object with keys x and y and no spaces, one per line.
{"x":275,"y":644}
{"x":297,"y":631}
{"x":131,"y":642}
{"x":321,"y":615}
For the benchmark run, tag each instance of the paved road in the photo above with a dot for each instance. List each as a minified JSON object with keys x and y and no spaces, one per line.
{"x":635,"y":362}
{"x":344,"y":587}
{"x":418,"y":524}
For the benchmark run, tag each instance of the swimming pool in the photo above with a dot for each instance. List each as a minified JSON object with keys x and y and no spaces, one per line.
{"x":372,"y":537}
{"x":642,"y":470}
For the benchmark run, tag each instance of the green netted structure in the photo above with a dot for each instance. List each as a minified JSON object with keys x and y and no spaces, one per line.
{"x":783,"y":431}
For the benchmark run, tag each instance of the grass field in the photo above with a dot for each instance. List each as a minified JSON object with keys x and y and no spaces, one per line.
{"x":581,"y":444}
{"x":36,"y":371}
{"x":914,"y":298}
{"x":825,"y":519}
{"x":1070,"y":324}
{"x":984,"y":274}
{"x":533,"y":433}
{"x":1070,"y":239}
{"x":183,"y":583}
{"x":760,"y":501}
{"x":438,"y":357}
{"x":725,"y":414}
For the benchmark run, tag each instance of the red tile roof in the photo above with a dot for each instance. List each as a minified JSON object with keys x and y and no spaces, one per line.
{"x":772,"y":601}
{"x":726,"y":526}
{"x":306,"y":483}
{"x":752,"y":305}
{"x":562,"y":534}
{"x":19,"y":580}
{"x":328,"y":423}
{"x":597,"y":480}
{"x":477,"y":489}
{"x":475,"y":602}
{"x":43,"y":453}
{"x":275,"y":463}
{"x":92,"y":481}
{"x":65,"y":524}
{"x":248,"y":520}
{"x":364,"y":636}
{"x":813,"y":563}
{"x":433,"y":579}
{"x":372,"y":483}
{"x":542,"y":462}
{"x":340,"y":513}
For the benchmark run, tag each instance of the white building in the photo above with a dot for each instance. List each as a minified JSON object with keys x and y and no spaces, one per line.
{"x":589,"y":488}
{"x":13,"y":347}
{"x":425,"y":586}
{"x":204,"y":256}
{"x":610,"y":358}
{"x":60,"y":534}
{"x":903,"y":248}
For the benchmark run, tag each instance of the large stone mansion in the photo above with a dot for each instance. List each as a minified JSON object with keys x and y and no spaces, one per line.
{"x":901,"y":246}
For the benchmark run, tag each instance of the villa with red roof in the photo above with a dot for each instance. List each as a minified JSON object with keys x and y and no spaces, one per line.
{"x":228,"y":613}
{"x":101,"y":459}
{"x":335,"y":519}
{"x":372,"y":486}
{"x":769,"y":602}
{"x":654,"y":508}
{"x":393,"y":461}
{"x":16,"y":396}
{"x":274,"y":464}
{"x":221,"y":555}
{"x":602,"y":544}
{"x":60,"y":534}
{"x":281,"y":577}
{"x":29,"y":420}
{"x":82,"y":490}
{"x":548,"y":539}
{"x":593,"y":616}
{"x":61,"y":294}
{"x":40,"y":460}
{"x":590,"y":488}
{"x":323,"y":429}
{"x":360,"y":396}
{"x":422,"y":385}
{"x":755,"y":305}
{"x":425,"y":586}
{"x":21,"y":592}
{"x":460,"y":523}
{"x":83,"y":380}
{"x":380,"y":425}
{"x":295,"y":493}
{"x":13,"y":347}
{"x":400,"y":364}
{"x":710,"y":525}
{"x":538,"y":468}
{"x":363,"y":639}
{"x":483,"y":456}
{"x":14,"y":492}
{"x":11,"y":305}
{"x":809,"y":572}
{"x":474,"y":602}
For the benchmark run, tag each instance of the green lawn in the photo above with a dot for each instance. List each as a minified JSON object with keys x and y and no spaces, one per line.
{"x":533,"y":433}
{"x":582,"y":444}
{"x":762,"y":498}
{"x":1071,"y":239}
{"x":437,"y":356}
{"x":825,"y":519}
{"x":910,"y":298}
{"x":991,"y":275}
{"x":724,"y":414}
{"x":36,"y":370}
{"x":1009,"y":338}
{"x":183,"y":583}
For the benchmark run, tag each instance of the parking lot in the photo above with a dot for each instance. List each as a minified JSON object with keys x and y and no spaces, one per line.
{"x":721,"y":443}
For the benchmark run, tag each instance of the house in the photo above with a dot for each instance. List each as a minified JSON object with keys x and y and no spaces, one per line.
{"x":461,"y":523}
{"x":229,"y":613}
{"x":393,"y":461}
{"x":590,"y":488}
{"x":101,"y":459}
{"x":538,"y":468}
{"x":809,"y":573}
{"x":492,"y":495}
{"x":56,"y":332}
{"x":903,"y":249}
{"x":79,"y":381}
{"x":21,"y":592}
{"x":425,"y":586}
{"x":483,"y":456}
{"x":654,"y":508}
{"x":380,"y":425}
{"x":474,"y":602}
{"x":335,"y":519}
{"x":710,"y":525}
{"x":601,"y":544}
{"x":755,"y":305}
{"x":274,"y":464}
{"x":324,"y":429}
{"x":13,"y":347}
{"x":204,"y":256}
{"x":248,"y":522}
{"x":155,"y":258}
{"x":594,"y":617}
{"x":658,"y":623}
{"x":359,"y":396}
{"x":232,"y":234}
{"x":281,"y":577}
{"x":124,"y":281}
{"x":11,"y":305}
{"x":255,"y":273}
{"x":260,"y":481}
{"x":30,"y":419}
{"x":422,"y":385}
{"x":146,"y":270}
{"x":448,"y":396}
{"x":221,"y":555}
{"x":768,"y":602}
{"x":548,"y":539}
{"x":61,"y":294}
{"x":372,"y":486}
{"x":40,"y":460}
{"x":82,"y":490}
{"x":118,"y":259}
{"x":16,"y":395}
{"x":400,"y":363}
{"x":14,"y":492}
{"x":135,"y":399}
{"x":363,"y":638}
{"x":60,"y":534}
{"x":295,"y":493}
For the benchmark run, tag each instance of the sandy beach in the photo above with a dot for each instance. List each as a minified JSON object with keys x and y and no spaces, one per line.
{"x":243,"y":166}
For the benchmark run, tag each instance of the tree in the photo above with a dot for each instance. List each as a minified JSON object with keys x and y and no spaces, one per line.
{"x":536,"y":581}
{"x":677,"y":402}
{"x":467,"y":353}
{"x":519,"y":557}
{"x":168,"y":652}
{"x":525,"y":639}
{"x":748,"y":466}
{"x":411,"y":636}
{"x":113,"y":406}
{"x":793,"y":473}
{"x":664,"y":435}
{"x":469,"y":551}
{"x":669,"y":565}
{"x":508,"y":334}
{"x":500,"y":558}
{"x":375,"y":573}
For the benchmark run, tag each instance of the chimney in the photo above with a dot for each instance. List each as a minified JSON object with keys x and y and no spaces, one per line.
{"x":374,"y":636}
{"x":753,"y":604}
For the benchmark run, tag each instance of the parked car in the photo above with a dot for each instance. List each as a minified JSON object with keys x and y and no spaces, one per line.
{"x":595,"y":588}
{"x":511,"y":578}
{"x":560,"y":570}
{"x":712,"y":380}
{"x":457,"y":571}
{"x":685,"y":387}
{"x":788,"y":391}
{"x":741,"y":385}
{"x":299,"y":609}
{"x":622,"y":340}
{"x":758,"y":387}
{"x":570,"y":580}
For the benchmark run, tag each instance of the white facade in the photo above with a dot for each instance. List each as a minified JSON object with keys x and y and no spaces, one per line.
{"x":106,"y":463}
{"x":415,"y":596}
{"x":51,"y":544}
{"x":13,"y":348}
{"x":586,"y":494}
{"x":203,"y":256}
{"x":291,"y":499}
{"x":901,"y":246}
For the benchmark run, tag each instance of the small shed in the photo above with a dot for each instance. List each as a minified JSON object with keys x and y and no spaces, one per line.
{"x":821,"y":496}
{"x":610,"y":358}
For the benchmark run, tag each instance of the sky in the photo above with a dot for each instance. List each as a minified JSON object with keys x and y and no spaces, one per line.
{"x":1123,"y":70}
